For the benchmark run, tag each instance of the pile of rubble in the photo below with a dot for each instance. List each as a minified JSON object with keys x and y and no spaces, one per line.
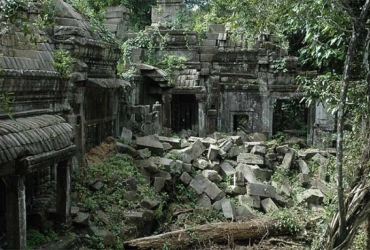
{"x":233,"y":167}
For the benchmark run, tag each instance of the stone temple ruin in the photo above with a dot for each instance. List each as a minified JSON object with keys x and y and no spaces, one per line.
{"x":226,"y":86}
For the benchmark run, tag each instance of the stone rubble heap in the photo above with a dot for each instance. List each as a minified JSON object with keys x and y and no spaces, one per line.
{"x":233,"y":168}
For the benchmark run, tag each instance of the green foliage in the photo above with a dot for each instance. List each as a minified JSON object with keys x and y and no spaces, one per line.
{"x":36,"y":238}
{"x":63,"y":63}
{"x":6,"y":101}
{"x":170,"y":64}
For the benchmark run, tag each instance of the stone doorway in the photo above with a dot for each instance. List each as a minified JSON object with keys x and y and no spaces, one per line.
{"x":184,"y":112}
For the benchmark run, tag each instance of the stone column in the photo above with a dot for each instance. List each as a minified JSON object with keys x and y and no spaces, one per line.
{"x":16,"y":212}
{"x":167,"y":99}
{"x":63,"y":192}
{"x":158,"y":118}
{"x":201,"y":98}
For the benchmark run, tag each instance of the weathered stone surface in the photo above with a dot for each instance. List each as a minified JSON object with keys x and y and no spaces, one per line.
{"x":82,"y":219}
{"x":144,"y":153}
{"x":212,"y":175}
{"x":126,"y":135}
{"x":262,"y":190}
{"x":285,"y":190}
{"x":304,"y":179}
{"x":150,"y":204}
{"x":148,"y":165}
{"x":159,"y":183}
{"x":234,"y":151}
{"x":151,"y":142}
{"x":96,"y":185}
{"x":259,"y":149}
{"x":204,"y":202}
{"x":288,"y":159}
{"x":236,"y":190}
{"x":193,"y":152}
{"x":214,"y":192}
{"x":164,"y":174}
{"x":166,"y":146}
{"x":166,"y":163}
{"x":228,"y":209}
{"x":244,"y":211}
{"x":269,"y":206}
{"x":236,"y":139}
{"x":126,"y":149}
{"x":201,"y":164}
{"x":215,"y":165}
{"x":250,"y":159}
{"x":174,"y":142}
{"x":206,"y":141}
{"x":212,"y":152}
{"x":282,"y":150}
{"x":257,"y":137}
{"x":239,"y":179}
{"x":250,"y":145}
{"x":314,"y":196}
{"x":250,"y":200}
{"x":248,"y":172}
{"x":199,"y":183}
{"x":74,"y":211}
{"x":303,"y":167}
{"x":103,"y":217}
{"x":187,"y":167}
{"x":226,"y":169}
{"x":309,"y":153}
{"x":226,"y":145}
{"x":131,"y":196}
{"x":185,"y":178}
{"x":218,"y":204}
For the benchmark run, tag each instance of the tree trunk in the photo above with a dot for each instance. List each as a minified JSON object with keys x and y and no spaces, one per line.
{"x":215,"y":232}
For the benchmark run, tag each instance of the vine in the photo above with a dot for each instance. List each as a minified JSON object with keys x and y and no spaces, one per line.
{"x":170,"y":64}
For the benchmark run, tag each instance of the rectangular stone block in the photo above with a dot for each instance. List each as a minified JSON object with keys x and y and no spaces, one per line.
{"x":262,"y":190}
{"x":251,"y":159}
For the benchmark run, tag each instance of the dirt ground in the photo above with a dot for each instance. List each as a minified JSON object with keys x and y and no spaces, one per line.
{"x":101,"y":153}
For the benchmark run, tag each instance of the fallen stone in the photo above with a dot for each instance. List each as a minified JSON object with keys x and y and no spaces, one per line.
{"x":309,"y":153}
{"x":226,"y":170}
{"x":148,"y":165}
{"x":151,"y":142}
{"x":217,"y":136}
{"x":226,"y":145}
{"x":259,"y":150}
{"x":126,"y":149}
{"x":249,"y":145}
{"x":236,"y":139}
{"x":248,"y":172}
{"x":322,"y":186}
{"x":218,"y":204}
{"x":214,"y":192}
{"x":144,"y":153}
{"x":239,"y":179}
{"x":97,"y":185}
{"x":228,"y":210}
{"x":212,"y":175}
{"x":285,"y":190}
{"x":314,"y":196}
{"x":250,"y":159}
{"x":244,"y":211}
{"x":234,"y":151}
{"x":282,"y":150}
{"x":215,"y":165}
{"x":201,"y":164}
{"x":185,"y":178}
{"x":206,"y":141}
{"x":150,"y":204}
{"x":187,"y":167}
{"x":271,"y":156}
{"x":212,"y":152}
{"x":164,"y":174}
{"x":204,"y":202}
{"x":199,"y":183}
{"x":193,"y":152}
{"x":126,"y":135}
{"x":131,"y":196}
{"x":142,"y":221}
{"x":74,"y":211}
{"x":268,"y":206}
{"x":253,"y":201}
{"x":304,"y":179}
{"x":174,"y":142}
{"x":236,"y":190}
{"x":158,"y":184}
{"x":166,"y":163}
{"x":166,"y":146}
{"x":82,"y":219}
{"x":184,"y":143}
{"x":288,"y":159}
{"x":103,"y":217}
{"x":262,"y":190}
{"x":108,"y":238}
{"x":258,"y":137}
{"x":303,"y":167}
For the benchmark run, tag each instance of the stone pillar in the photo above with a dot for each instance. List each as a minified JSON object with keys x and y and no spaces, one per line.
{"x":63,"y":192}
{"x":157,"y":108}
{"x":201,"y":98}
{"x":167,"y":98}
{"x":16,"y":212}
{"x":212,"y":121}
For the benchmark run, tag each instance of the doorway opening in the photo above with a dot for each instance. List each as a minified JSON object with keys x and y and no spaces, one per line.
{"x":184,"y":113}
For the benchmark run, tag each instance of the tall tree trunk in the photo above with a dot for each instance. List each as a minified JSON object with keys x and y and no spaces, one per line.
{"x":340,"y":231}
